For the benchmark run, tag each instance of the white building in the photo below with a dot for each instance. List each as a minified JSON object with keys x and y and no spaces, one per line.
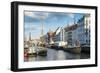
{"x":83,"y":30}
{"x":79,"y":32}
{"x":60,"y":37}
{"x":71,"y":34}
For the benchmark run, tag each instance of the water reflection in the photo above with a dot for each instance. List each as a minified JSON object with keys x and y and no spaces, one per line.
{"x":61,"y":55}
{"x":53,"y":54}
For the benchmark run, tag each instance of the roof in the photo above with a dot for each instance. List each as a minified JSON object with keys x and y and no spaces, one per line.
{"x":72,"y":27}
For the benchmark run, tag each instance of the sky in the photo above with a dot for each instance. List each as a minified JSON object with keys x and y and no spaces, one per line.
{"x":51,"y":21}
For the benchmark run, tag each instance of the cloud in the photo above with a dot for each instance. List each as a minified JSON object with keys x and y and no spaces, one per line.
{"x":31,"y":27}
{"x":47,"y":14}
{"x":48,"y":17}
{"x":55,"y":17}
{"x":36,"y":15}
{"x":60,"y":16}
{"x":42,"y":15}
{"x":71,"y":15}
{"x":30,"y":14}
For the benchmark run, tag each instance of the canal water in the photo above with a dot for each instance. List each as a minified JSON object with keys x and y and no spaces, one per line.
{"x":53,"y":54}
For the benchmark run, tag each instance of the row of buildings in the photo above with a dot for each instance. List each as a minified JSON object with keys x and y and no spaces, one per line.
{"x":73,"y":35}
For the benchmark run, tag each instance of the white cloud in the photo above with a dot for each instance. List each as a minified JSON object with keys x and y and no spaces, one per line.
{"x":37,"y":15}
{"x":41,"y":15}
{"x":31,"y":26}
{"x":30,"y":14}
{"x":71,"y":23}
{"x":71,"y":15}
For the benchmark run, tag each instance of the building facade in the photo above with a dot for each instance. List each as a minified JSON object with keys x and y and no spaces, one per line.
{"x":74,"y":35}
{"x":83,"y":30}
{"x":79,"y":33}
{"x":71,"y":34}
{"x":50,"y":37}
{"x":59,"y":34}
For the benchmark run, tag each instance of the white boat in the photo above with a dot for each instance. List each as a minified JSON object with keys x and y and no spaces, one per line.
{"x":31,"y":50}
{"x":60,"y":43}
{"x":26,"y":46}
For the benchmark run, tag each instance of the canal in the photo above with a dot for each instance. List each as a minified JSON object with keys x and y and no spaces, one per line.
{"x":53,"y":54}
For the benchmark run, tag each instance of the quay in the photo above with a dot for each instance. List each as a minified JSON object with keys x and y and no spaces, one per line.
{"x":42,"y":51}
{"x":76,"y":50}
